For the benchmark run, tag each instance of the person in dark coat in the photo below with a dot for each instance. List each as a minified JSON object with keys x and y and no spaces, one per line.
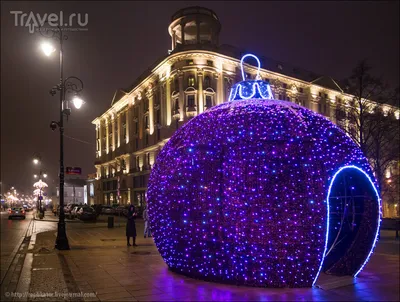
{"x":130,"y":225}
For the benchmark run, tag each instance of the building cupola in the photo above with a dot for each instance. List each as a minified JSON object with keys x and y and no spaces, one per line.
{"x":194,"y":26}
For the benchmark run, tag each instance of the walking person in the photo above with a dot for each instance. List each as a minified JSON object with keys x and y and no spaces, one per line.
{"x":130,"y":226}
{"x":147,"y":232}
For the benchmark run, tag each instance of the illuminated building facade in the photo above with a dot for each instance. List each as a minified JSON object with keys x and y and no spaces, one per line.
{"x":196,"y":74}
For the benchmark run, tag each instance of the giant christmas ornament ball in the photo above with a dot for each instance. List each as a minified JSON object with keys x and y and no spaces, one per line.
{"x":242,"y":194}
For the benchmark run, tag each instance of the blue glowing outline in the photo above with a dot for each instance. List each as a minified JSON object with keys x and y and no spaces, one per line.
{"x":255,"y":84}
{"x":241,"y":65}
{"x":254,"y":91}
{"x":327,"y":224}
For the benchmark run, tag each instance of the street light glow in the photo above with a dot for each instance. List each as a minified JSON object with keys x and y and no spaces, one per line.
{"x":44,"y":175}
{"x":35,"y":161}
{"x":47,"y":48}
{"x":78,"y":102}
{"x":35,"y":176}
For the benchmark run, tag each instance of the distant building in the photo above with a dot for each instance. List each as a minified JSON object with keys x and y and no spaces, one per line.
{"x":196,"y":75}
{"x":74,"y":191}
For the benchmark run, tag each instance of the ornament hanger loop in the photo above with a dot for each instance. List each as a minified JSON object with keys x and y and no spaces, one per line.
{"x":258,"y":68}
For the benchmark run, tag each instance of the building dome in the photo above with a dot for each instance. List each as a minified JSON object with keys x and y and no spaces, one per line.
{"x":194,"y":26}
{"x":252,"y":192}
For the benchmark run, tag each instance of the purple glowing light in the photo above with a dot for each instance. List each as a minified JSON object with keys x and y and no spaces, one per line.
{"x":240,"y":190}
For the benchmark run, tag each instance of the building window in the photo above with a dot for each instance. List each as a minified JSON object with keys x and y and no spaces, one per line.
{"x":136,"y":143}
{"x":146,"y":139}
{"x":146,"y":105}
{"x":280,"y":97}
{"x":284,"y":85}
{"x":176,"y":106}
{"x":207,"y":82}
{"x":146,"y":121}
{"x":176,"y":124}
{"x":210,"y":63}
{"x":137,"y":163}
{"x":288,"y":99}
{"x":208,"y":101}
{"x":191,"y":81}
{"x":176,"y":84}
{"x":148,"y":159}
{"x":301,"y":89}
{"x":320,"y":93}
{"x":190,"y":101}
{"x":189,"y":62}
{"x":136,"y":127}
{"x":326,"y":96}
{"x":319,"y":108}
{"x":124,"y":131}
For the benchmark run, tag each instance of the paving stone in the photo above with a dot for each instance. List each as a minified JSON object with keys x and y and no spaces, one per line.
{"x":161,"y":297}
{"x":109,"y":290}
{"x":114,"y":296}
{"x":145,"y":292}
{"x":111,"y":271}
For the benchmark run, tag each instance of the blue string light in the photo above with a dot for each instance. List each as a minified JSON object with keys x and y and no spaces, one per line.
{"x":239,"y":193}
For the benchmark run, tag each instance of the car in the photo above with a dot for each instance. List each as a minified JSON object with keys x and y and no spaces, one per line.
{"x":97,"y":208}
{"x":86,"y":213}
{"x":69,"y":208}
{"x":27,"y":208}
{"x":16,"y":212}
{"x":121,"y":211}
{"x":108,"y":210}
{"x":73,"y":212}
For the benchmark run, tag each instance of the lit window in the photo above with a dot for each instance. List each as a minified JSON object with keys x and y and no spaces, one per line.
{"x":191,"y":81}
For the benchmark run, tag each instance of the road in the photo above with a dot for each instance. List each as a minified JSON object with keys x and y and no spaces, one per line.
{"x":12,"y":233}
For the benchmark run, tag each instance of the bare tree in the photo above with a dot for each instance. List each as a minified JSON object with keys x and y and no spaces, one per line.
{"x":375,"y":130}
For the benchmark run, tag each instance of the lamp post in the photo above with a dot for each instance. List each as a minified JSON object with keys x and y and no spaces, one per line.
{"x":70,"y":84}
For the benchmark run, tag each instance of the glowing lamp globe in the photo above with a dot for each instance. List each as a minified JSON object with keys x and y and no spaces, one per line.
{"x":261,"y":192}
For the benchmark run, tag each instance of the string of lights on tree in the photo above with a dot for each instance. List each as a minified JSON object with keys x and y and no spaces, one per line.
{"x":239,"y":193}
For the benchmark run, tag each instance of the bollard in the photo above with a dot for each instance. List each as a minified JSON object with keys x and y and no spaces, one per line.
{"x":110,"y":222}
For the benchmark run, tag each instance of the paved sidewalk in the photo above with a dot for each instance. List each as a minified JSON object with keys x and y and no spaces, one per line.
{"x":102,"y":219}
{"x":101,"y":266}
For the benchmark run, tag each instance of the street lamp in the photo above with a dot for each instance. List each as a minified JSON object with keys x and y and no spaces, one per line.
{"x":70,"y":84}
{"x":47,"y":48}
{"x":78,"y":102}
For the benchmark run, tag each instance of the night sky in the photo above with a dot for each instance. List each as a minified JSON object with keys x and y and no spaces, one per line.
{"x":125,"y":38}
